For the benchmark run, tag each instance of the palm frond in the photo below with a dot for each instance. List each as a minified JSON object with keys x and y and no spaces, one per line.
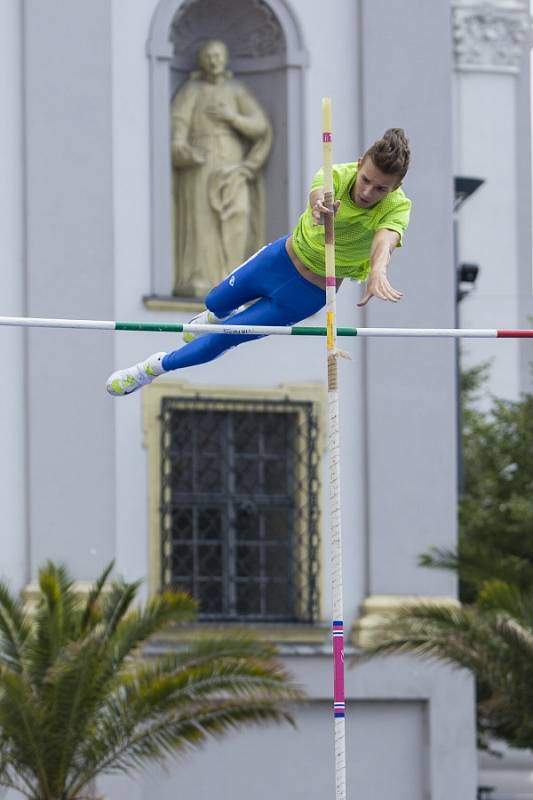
{"x":117,"y":603}
{"x":169,"y":689}
{"x":55,"y":620}
{"x":497,"y":595}
{"x":79,"y":685}
{"x":240,"y":644}
{"x":73,"y":694}
{"x":493,"y":639}
{"x":434,"y":631}
{"x":440,"y":558}
{"x":238,"y":665}
{"x":519,"y":639}
{"x":22,"y":725}
{"x":91,"y":614}
{"x":171,"y":737}
{"x":475,"y":563}
{"x":156,"y":692}
{"x":15,"y":775}
{"x":86,"y":698}
{"x":134,"y":629}
{"x":14,"y":630}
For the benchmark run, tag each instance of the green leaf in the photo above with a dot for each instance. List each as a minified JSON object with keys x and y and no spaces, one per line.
{"x":79,"y":697}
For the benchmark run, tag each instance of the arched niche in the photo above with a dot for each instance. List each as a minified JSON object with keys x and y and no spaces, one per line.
{"x":266,"y":53}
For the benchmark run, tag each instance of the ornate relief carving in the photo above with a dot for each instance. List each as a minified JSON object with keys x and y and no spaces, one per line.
{"x":490,"y":36}
{"x":250,"y":29}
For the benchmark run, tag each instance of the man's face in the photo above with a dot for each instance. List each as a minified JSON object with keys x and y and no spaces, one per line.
{"x":371,"y":184}
{"x":214,"y":59}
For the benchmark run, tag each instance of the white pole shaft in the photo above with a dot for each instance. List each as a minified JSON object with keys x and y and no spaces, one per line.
{"x":334,"y":460}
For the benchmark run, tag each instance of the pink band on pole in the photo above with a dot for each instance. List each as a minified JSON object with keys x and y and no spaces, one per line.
{"x":327,"y":136}
{"x":338,"y":669}
{"x":331,"y":281}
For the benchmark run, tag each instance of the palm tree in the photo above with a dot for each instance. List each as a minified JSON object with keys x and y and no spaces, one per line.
{"x":496,"y":504}
{"x":78,"y":699}
{"x":493,"y":639}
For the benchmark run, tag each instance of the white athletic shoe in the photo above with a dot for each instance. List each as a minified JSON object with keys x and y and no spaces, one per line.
{"x":126,"y":381}
{"x":207,"y":317}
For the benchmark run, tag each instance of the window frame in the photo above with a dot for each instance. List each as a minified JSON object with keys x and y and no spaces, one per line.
{"x":153,"y":395}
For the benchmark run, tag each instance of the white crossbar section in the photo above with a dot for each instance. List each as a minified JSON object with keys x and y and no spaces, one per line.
{"x":42,"y":322}
{"x":435,"y":333}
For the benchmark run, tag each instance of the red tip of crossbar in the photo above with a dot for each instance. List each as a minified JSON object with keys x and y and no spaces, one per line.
{"x":520,"y":334}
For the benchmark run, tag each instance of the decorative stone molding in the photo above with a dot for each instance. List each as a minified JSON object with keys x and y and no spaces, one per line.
{"x":295,"y":639}
{"x":491,"y":36}
{"x":250,"y":30}
{"x":31,"y":593}
{"x":376,"y":608}
{"x":174,"y":304}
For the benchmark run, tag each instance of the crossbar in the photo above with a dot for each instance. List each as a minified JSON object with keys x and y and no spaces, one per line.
{"x":267,"y":330}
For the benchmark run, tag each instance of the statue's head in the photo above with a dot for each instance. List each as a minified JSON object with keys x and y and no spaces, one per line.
{"x":213,"y":58}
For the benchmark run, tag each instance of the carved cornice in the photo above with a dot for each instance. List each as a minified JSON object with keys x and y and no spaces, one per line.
{"x":251,"y":30}
{"x":491,"y":36}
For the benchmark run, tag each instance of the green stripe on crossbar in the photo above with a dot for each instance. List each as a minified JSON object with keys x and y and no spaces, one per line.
{"x":149,"y":326}
{"x":303,"y":331}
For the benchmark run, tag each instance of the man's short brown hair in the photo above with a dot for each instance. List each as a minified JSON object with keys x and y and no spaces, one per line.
{"x":391,"y":153}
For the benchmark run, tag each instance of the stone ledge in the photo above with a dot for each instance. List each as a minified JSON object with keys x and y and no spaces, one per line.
{"x":31,"y":592}
{"x":303,"y":638}
{"x":277,"y":634}
{"x":376,"y":607}
{"x":170,"y":303}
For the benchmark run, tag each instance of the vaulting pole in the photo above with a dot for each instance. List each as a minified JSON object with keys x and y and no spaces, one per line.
{"x":334,"y":459}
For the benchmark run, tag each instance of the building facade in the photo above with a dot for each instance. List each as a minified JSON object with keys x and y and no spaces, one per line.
{"x":86,"y":478}
{"x":491,"y":90}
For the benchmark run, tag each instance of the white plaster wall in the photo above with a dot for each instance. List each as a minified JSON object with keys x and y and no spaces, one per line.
{"x":411,"y":397}
{"x":488,"y":231}
{"x":404,"y":739}
{"x":131,"y":148}
{"x":12,"y":351}
{"x":69,"y":267}
{"x":281,"y":762}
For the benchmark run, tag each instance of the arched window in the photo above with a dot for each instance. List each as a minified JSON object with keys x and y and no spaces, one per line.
{"x":267,"y":54}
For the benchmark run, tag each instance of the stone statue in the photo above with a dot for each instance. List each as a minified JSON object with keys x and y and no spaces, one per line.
{"x":221,"y":138}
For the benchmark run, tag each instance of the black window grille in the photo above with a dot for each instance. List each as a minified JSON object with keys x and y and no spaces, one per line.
{"x":239,"y":507}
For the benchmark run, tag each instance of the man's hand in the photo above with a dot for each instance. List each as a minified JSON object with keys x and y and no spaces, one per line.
{"x":383,"y":245}
{"x":378,"y":286}
{"x":318,"y":209}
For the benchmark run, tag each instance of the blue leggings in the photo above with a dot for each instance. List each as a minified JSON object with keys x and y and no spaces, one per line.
{"x":285,"y":297}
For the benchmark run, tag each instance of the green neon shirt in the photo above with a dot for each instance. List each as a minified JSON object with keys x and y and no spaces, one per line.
{"x":354,"y":227}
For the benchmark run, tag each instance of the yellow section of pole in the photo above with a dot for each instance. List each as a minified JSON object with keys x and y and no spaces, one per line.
{"x":329,"y":227}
